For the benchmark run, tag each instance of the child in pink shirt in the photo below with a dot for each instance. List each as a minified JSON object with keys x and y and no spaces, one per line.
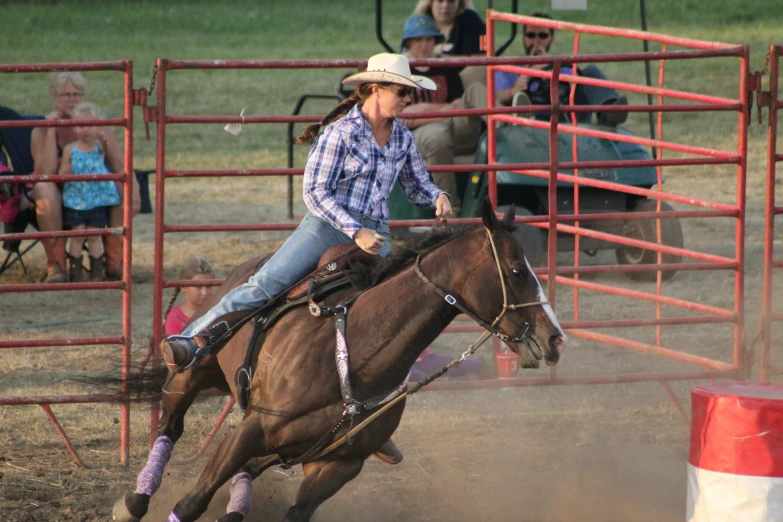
{"x":196,"y":269}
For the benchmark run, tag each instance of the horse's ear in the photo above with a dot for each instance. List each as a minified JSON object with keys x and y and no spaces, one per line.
{"x":508,"y":217}
{"x":488,"y":215}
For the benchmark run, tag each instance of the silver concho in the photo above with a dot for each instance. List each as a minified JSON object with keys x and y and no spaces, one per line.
{"x":315,"y":310}
{"x":331,"y":266}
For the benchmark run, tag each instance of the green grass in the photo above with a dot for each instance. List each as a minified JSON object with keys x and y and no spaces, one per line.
{"x":37,"y":32}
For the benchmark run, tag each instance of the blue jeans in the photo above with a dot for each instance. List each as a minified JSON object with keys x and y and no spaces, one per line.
{"x":298,"y":256}
{"x":595,"y":95}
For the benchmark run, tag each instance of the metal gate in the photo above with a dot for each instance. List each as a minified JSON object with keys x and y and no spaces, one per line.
{"x":564,"y":277}
{"x":769,"y":315}
{"x":124,"y":337}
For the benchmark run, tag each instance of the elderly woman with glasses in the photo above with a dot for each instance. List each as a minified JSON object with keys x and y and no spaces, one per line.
{"x":46,"y":146}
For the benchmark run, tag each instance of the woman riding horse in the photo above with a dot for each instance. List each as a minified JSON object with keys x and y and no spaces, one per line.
{"x":296,"y":404}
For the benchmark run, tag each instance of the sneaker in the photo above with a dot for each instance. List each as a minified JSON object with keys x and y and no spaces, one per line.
{"x":521,"y":99}
{"x":613,"y":119}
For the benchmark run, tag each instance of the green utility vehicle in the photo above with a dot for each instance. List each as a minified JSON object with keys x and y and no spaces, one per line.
{"x":523,"y":144}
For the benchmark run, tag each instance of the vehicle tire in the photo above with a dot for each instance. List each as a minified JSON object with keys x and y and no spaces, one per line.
{"x":532,"y":238}
{"x":644,"y":230}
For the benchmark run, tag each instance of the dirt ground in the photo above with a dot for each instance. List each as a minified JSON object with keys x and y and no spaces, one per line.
{"x":537,"y":454}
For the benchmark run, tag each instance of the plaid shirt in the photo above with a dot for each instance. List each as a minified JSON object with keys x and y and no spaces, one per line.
{"x":347,"y":170}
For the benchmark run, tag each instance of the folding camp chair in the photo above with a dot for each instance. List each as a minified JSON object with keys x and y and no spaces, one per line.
{"x":15,"y":147}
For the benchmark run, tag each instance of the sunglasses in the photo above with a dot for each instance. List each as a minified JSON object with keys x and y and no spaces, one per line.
{"x":541,"y":35}
{"x":402,"y":92}
{"x":71,"y":95}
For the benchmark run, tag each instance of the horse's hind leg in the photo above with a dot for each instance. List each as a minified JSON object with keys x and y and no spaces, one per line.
{"x":322,"y":480}
{"x":245,"y":442}
{"x":182,"y":391}
{"x":239,"y":505}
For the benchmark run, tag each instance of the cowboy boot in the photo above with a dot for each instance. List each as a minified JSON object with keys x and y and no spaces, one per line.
{"x":55,"y":260}
{"x":180,"y":352}
{"x":96,"y":269}
{"x":389,"y":453}
{"x":113,"y":248}
{"x":75,"y":269}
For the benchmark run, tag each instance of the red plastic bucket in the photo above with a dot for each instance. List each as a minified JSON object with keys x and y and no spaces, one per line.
{"x":508,"y":364}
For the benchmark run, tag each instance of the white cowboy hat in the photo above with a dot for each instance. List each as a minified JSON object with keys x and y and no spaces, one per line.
{"x":390,"y":68}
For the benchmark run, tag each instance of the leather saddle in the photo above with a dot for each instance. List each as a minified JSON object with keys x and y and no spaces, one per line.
{"x":329,"y":277}
{"x":331,"y":268}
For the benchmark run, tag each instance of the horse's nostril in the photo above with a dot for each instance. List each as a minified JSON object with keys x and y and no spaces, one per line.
{"x":557,"y":343}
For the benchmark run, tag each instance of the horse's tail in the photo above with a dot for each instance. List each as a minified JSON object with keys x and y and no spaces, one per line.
{"x":142,"y":384}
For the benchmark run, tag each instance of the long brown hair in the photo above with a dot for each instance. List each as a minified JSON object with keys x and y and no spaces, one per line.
{"x":361,"y":93}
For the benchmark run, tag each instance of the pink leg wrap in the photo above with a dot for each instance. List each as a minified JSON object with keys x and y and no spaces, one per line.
{"x":149,"y":479}
{"x":241,"y":494}
{"x":173,"y":518}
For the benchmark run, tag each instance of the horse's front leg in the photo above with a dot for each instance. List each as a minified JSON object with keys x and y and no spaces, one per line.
{"x":240,"y":503}
{"x":182,"y":391}
{"x":322,"y":480}
{"x":242,"y":444}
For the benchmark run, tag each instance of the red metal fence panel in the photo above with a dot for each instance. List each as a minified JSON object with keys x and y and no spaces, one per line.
{"x":565,"y":277}
{"x":769,"y":317}
{"x":45,"y":402}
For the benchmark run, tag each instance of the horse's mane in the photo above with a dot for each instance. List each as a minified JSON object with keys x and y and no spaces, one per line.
{"x":366,"y":273}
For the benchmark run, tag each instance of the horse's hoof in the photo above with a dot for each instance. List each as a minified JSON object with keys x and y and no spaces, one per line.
{"x":120,"y":512}
{"x":232,"y":517}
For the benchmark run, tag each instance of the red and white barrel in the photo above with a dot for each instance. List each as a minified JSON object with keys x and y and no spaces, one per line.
{"x":735,"y":467}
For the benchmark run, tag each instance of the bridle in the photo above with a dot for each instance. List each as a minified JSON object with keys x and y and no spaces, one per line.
{"x":492,"y":327}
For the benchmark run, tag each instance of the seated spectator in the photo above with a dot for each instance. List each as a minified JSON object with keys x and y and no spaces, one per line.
{"x":46,"y":145}
{"x":196,"y":269}
{"x":462,"y":29}
{"x":461,"y":26}
{"x":537,"y":41}
{"x":440,"y":139}
{"x":86,"y":203}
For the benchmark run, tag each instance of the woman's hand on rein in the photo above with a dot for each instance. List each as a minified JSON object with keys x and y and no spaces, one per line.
{"x":443,"y":206}
{"x":369,"y":240}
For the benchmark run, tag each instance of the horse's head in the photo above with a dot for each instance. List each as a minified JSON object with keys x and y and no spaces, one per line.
{"x":525,"y":316}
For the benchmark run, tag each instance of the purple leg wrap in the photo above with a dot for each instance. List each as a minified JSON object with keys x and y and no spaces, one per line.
{"x":149,"y":479}
{"x":173,"y":518}
{"x":241,"y":494}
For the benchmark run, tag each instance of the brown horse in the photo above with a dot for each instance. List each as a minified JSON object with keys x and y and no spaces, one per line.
{"x":295,"y":396}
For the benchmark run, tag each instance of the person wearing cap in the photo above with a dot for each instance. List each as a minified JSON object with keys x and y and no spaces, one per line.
{"x":440,"y":139}
{"x":360,"y":149}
